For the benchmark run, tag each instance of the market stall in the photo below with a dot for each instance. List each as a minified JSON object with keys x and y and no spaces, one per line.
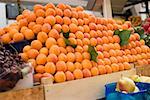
{"x":61,"y":52}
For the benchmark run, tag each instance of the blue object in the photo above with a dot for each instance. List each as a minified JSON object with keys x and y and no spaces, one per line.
{"x":143,"y":94}
{"x":18,"y":46}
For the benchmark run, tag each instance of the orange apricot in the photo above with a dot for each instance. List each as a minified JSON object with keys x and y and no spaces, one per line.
{"x":37,"y":6}
{"x":127,"y":51}
{"x":106,"y":54}
{"x":32,"y":53}
{"x":30,"y":25}
{"x":80,"y":28}
{"x":40,"y":20}
{"x":107,"y":61}
{"x":108,"y":69}
{"x":61,"y":66}
{"x":50,"y":12}
{"x":67,"y":13}
{"x":59,"y":12}
{"x":116,"y":39}
{"x":111,"y":40}
{"x":18,"y":37}
{"x":54,"y":50}
{"x":42,"y":37}
{"x":85,"y":48}
{"x":59,"y":19}
{"x":119,"y":59}
{"x":94,"y":71}
{"x":61,"y":6}
{"x":24,"y":56}
{"x":37,"y":28}
{"x":113,"y":60}
{"x":71,"y":57}
{"x":31,"y":17}
{"x":50,"y":67}
{"x":65,"y":28}
{"x":62,"y":57}
{"x":60,"y":77}
{"x":125,"y":58}
{"x":41,"y":59}
{"x":79,"y":49}
{"x":53,"y":33}
{"x":69,"y":76}
{"x":86,"y":64}
{"x":86,"y":28}
{"x":99,"y":41}
{"x":79,"y":35}
{"x":78,"y":57}
{"x":112,"y":53}
{"x":86,"y":55}
{"x":127,"y":65}
{"x":40,"y":13}
{"x":93,"y":41}
{"x":49,"y":5}
{"x":61,"y":42}
{"x":23,"y":22}
{"x":100,"y":62}
{"x":70,"y":49}
{"x":79,"y":8}
{"x":101,"y":69}
{"x":78,"y":74}
{"x":50,"y":20}
{"x":52,"y":58}
{"x":78,"y":65}
{"x":133,"y":52}
{"x":115,"y":67}
{"x":121,"y":66}
{"x":70,"y":66}
{"x":36,"y":44}
{"x":99,"y":48}
{"x":73,"y":27}
{"x":80,"y":22}
{"x":40,"y":69}
{"x":86,"y":73}
{"x":92,"y":19}
{"x":105,"y":40}
{"x":100,"y":55}
{"x":66,"y":20}
{"x":44,"y":50}
{"x":26,"y":48}
{"x":5,"y":38}
{"x":79,"y":42}
{"x":92,"y":26}
{"x":49,"y":42}
{"x":106,"y":47}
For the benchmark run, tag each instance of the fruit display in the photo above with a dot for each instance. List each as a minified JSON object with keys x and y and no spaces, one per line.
{"x":70,"y":44}
{"x":12,"y":69}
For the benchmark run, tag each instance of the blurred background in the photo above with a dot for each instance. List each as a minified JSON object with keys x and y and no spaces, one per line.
{"x":117,"y":9}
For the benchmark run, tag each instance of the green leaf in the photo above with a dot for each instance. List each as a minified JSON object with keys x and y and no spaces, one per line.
{"x":124,"y":37}
{"x":68,"y":43}
{"x":93,"y":53}
{"x":140,"y":31}
{"x":66,"y":35}
{"x":116,"y":32}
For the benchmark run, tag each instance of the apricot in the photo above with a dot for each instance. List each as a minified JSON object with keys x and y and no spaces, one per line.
{"x":71,"y":57}
{"x":32,"y":53}
{"x":18,"y":37}
{"x":113,"y":60}
{"x":49,"y":42}
{"x":40,"y":69}
{"x":127,"y":65}
{"x":59,"y":12}
{"x":92,"y":26}
{"x":53,"y":33}
{"x":86,"y":28}
{"x":78,"y":57}
{"x":50,"y":20}
{"x":80,"y":22}
{"x":115,"y":67}
{"x":41,"y":59}
{"x":23,"y":22}
{"x":78,"y":74}
{"x":100,"y":55}
{"x":63,"y":50}
{"x":86,"y":73}
{"x":26,"y":48}
{"x":40,"y":13}
{"x":67,"y":13}
{"x":86,"y":55}
{"x":93,"y":41}
{"x":54,"y":50}
{"x":106,"y":54}
{"x":50,"y":12}
{"x":29,"y":34}
{"x":70,"y":49}
{"x":70,"y":66}
{"x":94,"y":71}
{"x":52,"y":58}
{"x":24,"y":56}
{"x":65,"y":28}
{"x":33,"y":62}
{"x":50,"y":67}
{"x":79,"y":42}
{"x":112,"y":53}
{"x":44,"y":50}
{"x":61,"y":66}
{"x":31,"y":17}
{"x":60,"y":77}
{"x":62,"y":57}
{"x":39,"y":20}
{"x":69,"y":76}
{"x":116,"y":39}
{"x":108,"y":69}
{"x":101,"y":69}
{"x":106,"y":47}
{"x":86,"y":64}
{"x":5,"y":38}
{"x":61,"y":6}
{"x":36,"y":44}
{"x":59,"y":19}
{"x":42,"y":37}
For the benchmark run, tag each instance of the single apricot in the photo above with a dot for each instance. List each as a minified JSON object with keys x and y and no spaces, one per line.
{"x":78,"y":74}
{"x":108,"y":69}
{"x":5,"y":38}
{"x":41,"y":59}
{"x":71,"y":57}
{"x":50,"y":20}
{"x":49,"y":42}
{"x":59,"y":12}
{"x":40,"y":69}
{"x":40,"y":20}
{"x":37,"y":28}
{"x":61,"y":66}
{"x":69,"y":76}
{"x":50,"y":68}
{"x":40,"y":13}
{"x":60,"y":77}
{"x":59,"y":19}
{"x":86,"y":64}
{"x":54,"y":49}
{"x":101,"y":69}
{"x":52,"y":58}
{"x":24,"y":56}
{"x":50,"y":12}
{"x":53,"y":33}
{"x":36,"y":44}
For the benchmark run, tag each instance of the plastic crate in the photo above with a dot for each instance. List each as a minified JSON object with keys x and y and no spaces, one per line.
{"x":143,"y":94}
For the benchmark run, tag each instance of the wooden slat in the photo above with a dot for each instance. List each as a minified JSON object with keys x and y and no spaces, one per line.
{"x":84,"y":89}
{"x":35,"y":93}
{"x":143,"y":70}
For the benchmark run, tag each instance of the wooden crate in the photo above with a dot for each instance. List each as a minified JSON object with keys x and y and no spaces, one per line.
{"x":83,"y":89}
{"x":143,"y":70}
{"x":35,"y":93}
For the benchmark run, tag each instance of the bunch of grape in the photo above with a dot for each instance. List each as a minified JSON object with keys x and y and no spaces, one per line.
{"x":10,"y":68}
